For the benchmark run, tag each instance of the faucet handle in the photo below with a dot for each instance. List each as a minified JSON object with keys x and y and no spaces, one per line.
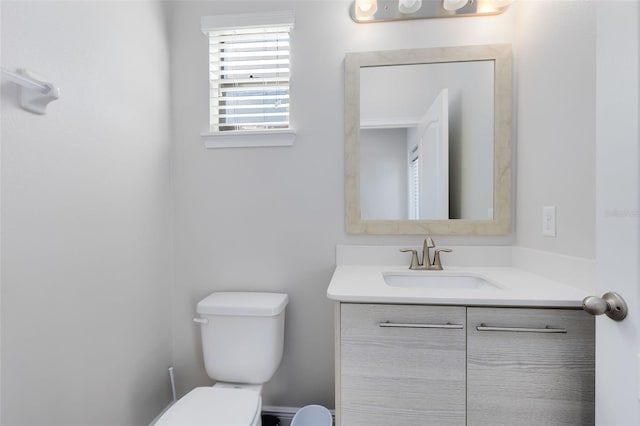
{"x":437,"y":264}
{"x":426,"y":259}
{"x":415,"y":264}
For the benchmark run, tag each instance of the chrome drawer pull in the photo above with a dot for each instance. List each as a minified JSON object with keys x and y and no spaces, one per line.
{"x":547,"y":329}
{"x":404,"y":325}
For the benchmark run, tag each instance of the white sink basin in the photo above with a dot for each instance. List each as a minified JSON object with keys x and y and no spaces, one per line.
{"x":437,"y":279}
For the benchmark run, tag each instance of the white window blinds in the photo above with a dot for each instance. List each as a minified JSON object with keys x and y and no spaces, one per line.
{"x":414,"y":183}
{"x":249,"y":72}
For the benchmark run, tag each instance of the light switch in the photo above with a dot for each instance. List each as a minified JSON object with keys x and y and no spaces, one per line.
{"x":549,"y":221}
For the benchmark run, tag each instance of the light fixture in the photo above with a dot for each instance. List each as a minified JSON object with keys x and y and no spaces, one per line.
{"x":453,"y":5}
{"x":365,"y":9}
{"x":369,"y":11}
{"x":409,"y":6}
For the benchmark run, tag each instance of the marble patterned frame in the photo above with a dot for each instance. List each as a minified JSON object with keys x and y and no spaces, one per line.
{"x":501,"y":224}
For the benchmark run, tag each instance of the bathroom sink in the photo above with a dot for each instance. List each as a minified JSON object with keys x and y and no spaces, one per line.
{"x":436,"y":279}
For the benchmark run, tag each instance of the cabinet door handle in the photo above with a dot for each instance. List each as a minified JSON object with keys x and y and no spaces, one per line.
{"x":547,"y":329}
{"x":406,"y":325}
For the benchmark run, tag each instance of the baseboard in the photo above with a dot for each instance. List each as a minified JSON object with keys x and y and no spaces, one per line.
{"x":285,"y":414}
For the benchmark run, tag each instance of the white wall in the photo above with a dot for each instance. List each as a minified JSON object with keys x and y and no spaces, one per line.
{"x":85,"y":192}
{"x":0,"y":233}
{"x":555,"y":148}
{"x":86,"y":224}
{"x":383,"y":174}
{"x":269,"y":218}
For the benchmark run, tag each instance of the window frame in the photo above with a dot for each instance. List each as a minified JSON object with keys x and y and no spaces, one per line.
{"x":246,"y":138}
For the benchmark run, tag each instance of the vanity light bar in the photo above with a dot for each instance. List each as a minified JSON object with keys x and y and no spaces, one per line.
{"x":389,"y":10}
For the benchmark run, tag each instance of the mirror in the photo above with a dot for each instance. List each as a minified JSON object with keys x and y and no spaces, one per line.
{"x":428,"y":141}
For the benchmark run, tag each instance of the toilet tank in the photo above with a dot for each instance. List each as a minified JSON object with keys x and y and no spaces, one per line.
{"x":242,"y":335}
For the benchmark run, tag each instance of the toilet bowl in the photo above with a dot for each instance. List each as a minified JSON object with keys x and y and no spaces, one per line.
{"x":242,"y":341}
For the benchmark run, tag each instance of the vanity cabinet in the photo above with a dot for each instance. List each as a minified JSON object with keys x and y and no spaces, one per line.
{"x":402,"y":365}
{"x":455,"y":365}
{"x":530,"y":367}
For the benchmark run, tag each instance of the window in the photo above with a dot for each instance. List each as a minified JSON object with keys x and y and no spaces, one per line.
{"x":249,"y":71}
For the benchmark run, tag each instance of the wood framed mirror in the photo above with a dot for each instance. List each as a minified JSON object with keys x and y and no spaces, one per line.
{"x":428,"y":141}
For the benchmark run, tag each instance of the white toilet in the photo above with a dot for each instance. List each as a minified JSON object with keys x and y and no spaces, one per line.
{"x":242,"y":341}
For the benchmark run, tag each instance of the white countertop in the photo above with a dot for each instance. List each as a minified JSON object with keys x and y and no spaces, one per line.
{"x":365,"y":284}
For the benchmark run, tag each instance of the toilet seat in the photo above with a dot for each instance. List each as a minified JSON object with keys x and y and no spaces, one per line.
{"x":213,"y":406}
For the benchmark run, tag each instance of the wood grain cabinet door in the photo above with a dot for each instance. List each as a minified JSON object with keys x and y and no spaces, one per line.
{"x":530,"y":367}
{"x":402,"y":365}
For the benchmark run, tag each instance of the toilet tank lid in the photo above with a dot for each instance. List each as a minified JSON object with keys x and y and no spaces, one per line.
{"x":243,"y":304}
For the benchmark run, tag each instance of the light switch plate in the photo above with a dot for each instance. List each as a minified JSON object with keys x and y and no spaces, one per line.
{"x":549,"y":221}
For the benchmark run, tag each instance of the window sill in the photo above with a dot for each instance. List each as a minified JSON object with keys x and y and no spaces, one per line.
{"x":248,"y":138}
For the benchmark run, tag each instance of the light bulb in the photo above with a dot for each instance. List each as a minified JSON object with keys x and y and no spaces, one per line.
{"x":409,"y":6}
{"x":453,"y":5}
{"x":366,"y":8}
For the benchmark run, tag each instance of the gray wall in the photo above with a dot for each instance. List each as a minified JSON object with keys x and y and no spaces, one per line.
{"x":555,"y":66}
{"x":269,"y":218}
{"x":261,"y":218}
{"x":86,"y":224}
{"x":384,"y":186}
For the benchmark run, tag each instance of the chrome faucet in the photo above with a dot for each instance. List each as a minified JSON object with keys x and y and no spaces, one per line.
{"x":426,"y":263}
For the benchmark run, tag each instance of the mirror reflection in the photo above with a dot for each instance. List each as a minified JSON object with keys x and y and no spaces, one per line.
{"x":427,"y":141}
